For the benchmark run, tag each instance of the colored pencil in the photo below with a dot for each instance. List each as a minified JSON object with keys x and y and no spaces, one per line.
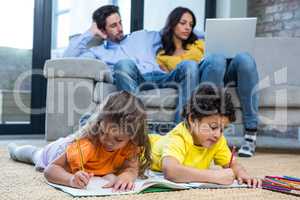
{"x":271,"y":187}
{"x":283,"y":182}
{"x":292,"y":178}
{"x":274,"y":185}
{"x":286,"y":178}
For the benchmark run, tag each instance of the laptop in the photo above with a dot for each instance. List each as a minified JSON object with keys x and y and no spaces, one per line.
{"x":229,"y":36}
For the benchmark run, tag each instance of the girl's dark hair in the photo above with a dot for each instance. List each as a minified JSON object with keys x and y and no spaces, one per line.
{"x":100,"y":15}
{"x":126,"y":112}
{"x":168,"y":30}
{"x":208,"y":100}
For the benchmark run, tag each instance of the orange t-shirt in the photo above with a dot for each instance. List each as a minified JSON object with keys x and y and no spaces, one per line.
{"x":97,"y":160}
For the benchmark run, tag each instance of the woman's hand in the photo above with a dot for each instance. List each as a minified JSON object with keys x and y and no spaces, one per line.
{"x":123,"y":182}
{"x":164,"y":68}
{"x":80,"y":179}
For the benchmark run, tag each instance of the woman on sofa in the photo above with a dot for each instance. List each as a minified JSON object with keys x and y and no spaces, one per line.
{"x":180,"y":43}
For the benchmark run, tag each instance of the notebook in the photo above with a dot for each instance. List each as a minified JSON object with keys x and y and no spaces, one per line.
{"x":154,"y":183}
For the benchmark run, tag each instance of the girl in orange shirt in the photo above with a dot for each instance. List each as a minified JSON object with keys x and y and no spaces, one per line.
{"x":113,"y":144}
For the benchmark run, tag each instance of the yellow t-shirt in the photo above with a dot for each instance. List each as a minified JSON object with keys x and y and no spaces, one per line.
{"x":194,"y":52}
{"x":179,"y":144}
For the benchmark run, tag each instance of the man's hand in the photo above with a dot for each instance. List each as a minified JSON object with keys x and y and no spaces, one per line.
{"x":96,"y":32}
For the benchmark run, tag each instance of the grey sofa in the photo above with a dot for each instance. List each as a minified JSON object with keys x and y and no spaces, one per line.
{"x":76,"y":86}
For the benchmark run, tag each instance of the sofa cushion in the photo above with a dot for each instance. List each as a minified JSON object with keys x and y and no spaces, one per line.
{"x":102,"y":90}
{"x":280,"y":96}
{"x":278,"y":59}
{"x":279,"y":116}
{"x":161,"y":98}
{"x":108,"y":78}
{"x":76,"y":68}
{"x":273,"y":96}
{"x":160,"y":115}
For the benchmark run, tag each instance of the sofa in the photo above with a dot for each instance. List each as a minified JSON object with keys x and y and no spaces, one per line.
{"x":76,"y":85}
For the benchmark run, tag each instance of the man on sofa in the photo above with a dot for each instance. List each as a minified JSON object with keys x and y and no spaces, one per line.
{"x":132,"y":57}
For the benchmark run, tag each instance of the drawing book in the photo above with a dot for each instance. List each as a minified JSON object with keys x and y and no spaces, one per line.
{"x":154,"y":183}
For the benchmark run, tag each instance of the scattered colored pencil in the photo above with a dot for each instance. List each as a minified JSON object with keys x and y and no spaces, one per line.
{"x":285,"y":184}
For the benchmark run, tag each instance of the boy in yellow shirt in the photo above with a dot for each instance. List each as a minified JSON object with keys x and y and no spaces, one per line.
{"x":186,"y":153}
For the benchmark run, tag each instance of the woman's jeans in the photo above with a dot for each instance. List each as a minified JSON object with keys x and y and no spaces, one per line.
{"x":240,"y":72}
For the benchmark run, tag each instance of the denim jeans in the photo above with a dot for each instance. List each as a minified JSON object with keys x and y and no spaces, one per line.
{"x":185,"y":78}
{"x":242,"y":72}
{"x":239,"y":72}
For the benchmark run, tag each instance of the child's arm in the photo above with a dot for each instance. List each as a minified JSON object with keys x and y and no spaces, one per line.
{"x":125,"y":180}
{"x":242,"y":176}
{"x":175,"y":171}
{"x":58,"y":172}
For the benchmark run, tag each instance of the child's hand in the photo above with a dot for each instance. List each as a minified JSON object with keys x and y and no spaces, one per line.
{"x":80,"y":179}
{"x":110,"y":177}
{"x":224,"y":176}
{"x":243,"y":177}
{"x":123,"y":182}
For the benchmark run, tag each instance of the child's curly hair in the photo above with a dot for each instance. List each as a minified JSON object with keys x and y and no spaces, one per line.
{"x":208,"y":100}
{"x":128,"y":113}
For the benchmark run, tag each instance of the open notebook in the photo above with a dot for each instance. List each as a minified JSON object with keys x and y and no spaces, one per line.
{"x":154,"y":183}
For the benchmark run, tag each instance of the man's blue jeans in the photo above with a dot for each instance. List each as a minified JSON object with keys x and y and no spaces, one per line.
{"x":185,"y":78}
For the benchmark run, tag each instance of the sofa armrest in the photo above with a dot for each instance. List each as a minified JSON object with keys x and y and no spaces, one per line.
{"x":76,"y":68}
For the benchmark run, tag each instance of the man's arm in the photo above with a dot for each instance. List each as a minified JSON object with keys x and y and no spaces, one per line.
{"x":78,"y":46}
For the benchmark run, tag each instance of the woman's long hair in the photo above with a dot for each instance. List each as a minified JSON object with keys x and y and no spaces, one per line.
{"x":126,"y":112}
{"x":168,"y":31}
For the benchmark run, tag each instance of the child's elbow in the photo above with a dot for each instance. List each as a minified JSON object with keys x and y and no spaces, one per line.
{"x":169,"y":174}
{"x":47,"y":173}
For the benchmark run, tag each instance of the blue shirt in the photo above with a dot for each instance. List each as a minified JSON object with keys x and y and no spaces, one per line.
{"x":140,"y":47}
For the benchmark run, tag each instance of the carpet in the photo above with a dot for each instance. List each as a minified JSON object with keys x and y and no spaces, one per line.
{"x":20,"y":181}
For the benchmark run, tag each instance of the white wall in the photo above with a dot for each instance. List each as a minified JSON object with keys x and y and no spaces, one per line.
{"x":239,"y":8}
{"x":81,"y":14}
{"x":125,"y":12}
{"x":231,"y":8}
{"x":223,"y":8}
{"x":156,"y":12}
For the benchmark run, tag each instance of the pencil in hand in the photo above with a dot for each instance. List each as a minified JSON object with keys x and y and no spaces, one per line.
{"x":232,"y":155}
{"x":80,"y":154}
